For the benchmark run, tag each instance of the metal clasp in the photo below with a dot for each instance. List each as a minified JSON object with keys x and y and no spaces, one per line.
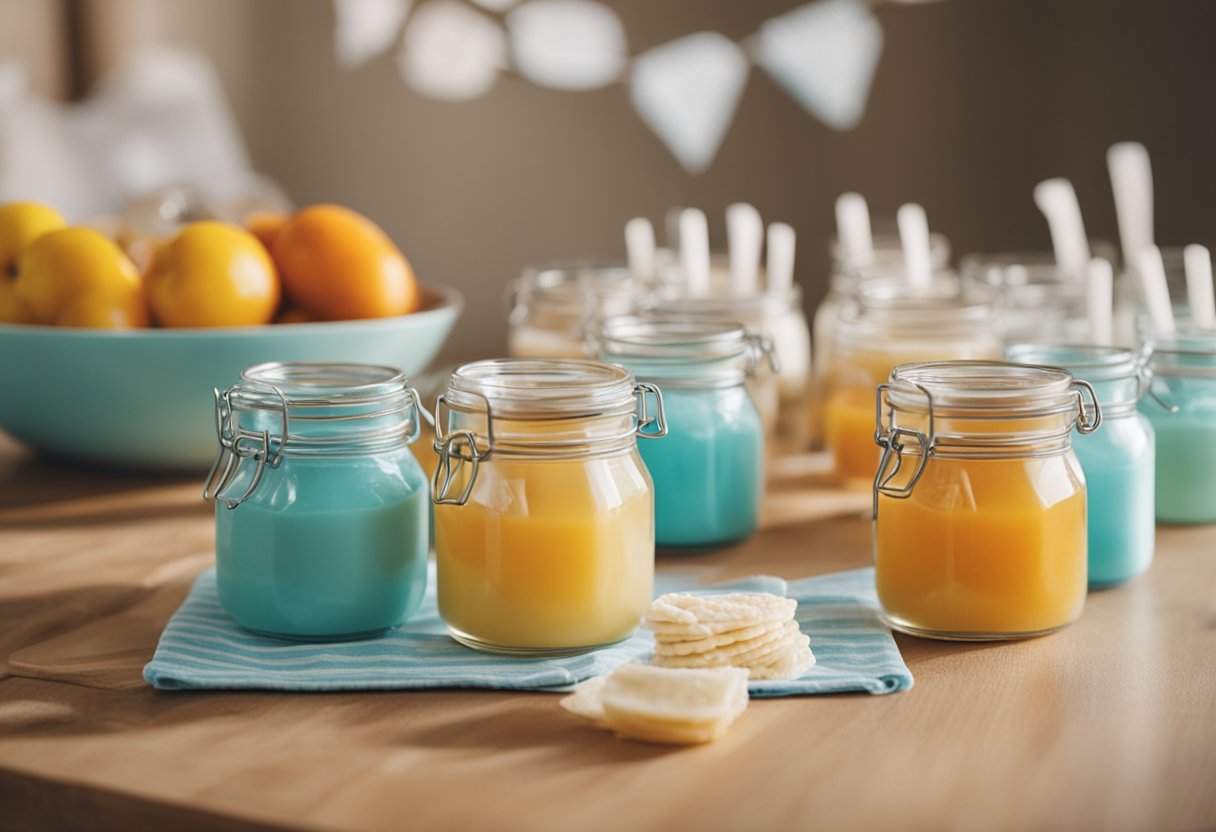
{"x":1084,"y":423}
{"x":461,"y":445}
{"x":238,"y":445}
{"x":645,"y":420}
{"x":891,"y":440}
{"x":760,"y":347}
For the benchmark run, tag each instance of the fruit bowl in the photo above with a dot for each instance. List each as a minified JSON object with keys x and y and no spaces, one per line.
{"x":142,"y":398}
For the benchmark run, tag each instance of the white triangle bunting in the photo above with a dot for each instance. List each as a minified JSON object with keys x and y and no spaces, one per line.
{"x":364,"y":29}
{"x":451,"y":51}
{"x":568,"y":44}
{"x":687,"y":92}
{"x":824,"y":54}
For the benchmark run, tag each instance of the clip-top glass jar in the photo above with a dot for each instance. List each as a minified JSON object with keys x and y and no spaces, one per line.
{"x":544,"y":511}
{"x":890,"y":324}
{"x":321,"y":510}
{"x":1184,"y":381}
{"x":979,"y":500}
{"x":555,"y":308}
{"x":709,"y":473}
{"x":1118,"y":460}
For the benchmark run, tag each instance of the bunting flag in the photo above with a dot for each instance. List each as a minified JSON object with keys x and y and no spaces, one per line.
{"x":687,"y":92}
{"x":451,"y":51}
{"x":568,"y":44}
{"x":824,"y":54}
{"x":364,"y":29}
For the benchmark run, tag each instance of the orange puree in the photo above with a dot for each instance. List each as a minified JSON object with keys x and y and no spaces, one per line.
{"x":548,"y":554}
{"x":984,"y":547}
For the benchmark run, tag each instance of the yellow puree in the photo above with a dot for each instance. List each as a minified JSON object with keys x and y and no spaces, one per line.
{"x":548,"y":554}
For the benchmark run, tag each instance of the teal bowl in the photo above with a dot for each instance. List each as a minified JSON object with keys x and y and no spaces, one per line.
{"x":142,"y":399}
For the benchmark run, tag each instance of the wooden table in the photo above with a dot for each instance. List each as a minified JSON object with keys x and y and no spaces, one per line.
{"x":1108,"y":725}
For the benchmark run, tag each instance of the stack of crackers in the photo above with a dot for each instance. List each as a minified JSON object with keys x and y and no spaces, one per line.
{"x":755,"y":631}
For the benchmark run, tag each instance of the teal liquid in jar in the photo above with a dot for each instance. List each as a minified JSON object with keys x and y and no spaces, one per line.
{"x":1118,"y":459}
{"x":708,"y":472}
{"x":1184,"y":381}
{"x":328,"y":539}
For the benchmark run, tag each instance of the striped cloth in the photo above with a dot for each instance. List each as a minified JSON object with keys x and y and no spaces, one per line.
{"x":202,"y":648}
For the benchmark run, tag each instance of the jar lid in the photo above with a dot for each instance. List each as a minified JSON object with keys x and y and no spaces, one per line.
{"x":671,"y":349}
{"x":981,"y":389}
{"x":522,"y":388}
{"x":580,"y":288}
{"x":753,"y":308}
{"x":1089,"y":361}
{"x":1191,"y":353}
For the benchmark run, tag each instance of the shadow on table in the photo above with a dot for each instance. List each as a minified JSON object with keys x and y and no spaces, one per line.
{"x":31,"y":479}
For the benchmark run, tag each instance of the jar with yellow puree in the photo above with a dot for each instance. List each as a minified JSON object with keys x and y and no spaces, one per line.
{"x":979,"y":501}
{"x":891,"y":324}
{"x":544,"y":511}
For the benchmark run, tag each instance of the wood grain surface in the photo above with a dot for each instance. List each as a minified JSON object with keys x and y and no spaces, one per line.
{"x":1110,"y":724}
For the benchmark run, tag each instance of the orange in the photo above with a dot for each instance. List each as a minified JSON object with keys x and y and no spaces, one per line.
{"x":294,"y":315}
{"x":338,"y":265}
{"x":213,"y":274}
{"x":79,"y":277}
{"x":265,"y":225}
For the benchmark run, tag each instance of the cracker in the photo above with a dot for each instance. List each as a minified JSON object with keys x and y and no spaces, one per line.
{"x":790,"y":666}
{"x":767,"y":634}
{"x":706,"y":615}
{"x":750,"y":655}
{"x":684,"y":647}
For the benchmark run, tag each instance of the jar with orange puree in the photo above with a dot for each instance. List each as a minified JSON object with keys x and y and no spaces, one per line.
{"x":888,"y":324}
{"x":979,"y":501}
{"x":544,"y":511}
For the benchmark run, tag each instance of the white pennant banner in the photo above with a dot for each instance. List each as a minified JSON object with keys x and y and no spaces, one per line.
{"x":824,"y":54}
{"x":687,"y":92}
{"x":364,"y":29}
{"x":568,"y":44}
{"x":452,"y":51}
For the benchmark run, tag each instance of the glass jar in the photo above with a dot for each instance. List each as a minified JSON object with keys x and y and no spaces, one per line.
{"x":1184,"y":381}
{"x":847,"y":276}
{"x":783,"y":397}
{"x":1118,"y":460}
{"x":553,"y":309}
{"x":979,"y":500}
{"x":1039,"y":300}
{"x":544,"y":512}
{"x":891,"y":324}
{"x":321,"y":509}
{"x":709,"y":472}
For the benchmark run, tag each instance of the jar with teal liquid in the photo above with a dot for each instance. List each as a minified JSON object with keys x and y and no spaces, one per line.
{"x":709,"y":472}
{"x":322,"y":512}
{"x":1119,"y":459}
{"x":1184,"y":381}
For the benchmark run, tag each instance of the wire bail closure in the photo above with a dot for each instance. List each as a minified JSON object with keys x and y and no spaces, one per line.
{"x":1085,"y":424}
{"x":238,"y":445}
{"x":459,"y":447}
{"x":761,"y":348}
{"x":891,"y":440}
{"x":462,"y":445}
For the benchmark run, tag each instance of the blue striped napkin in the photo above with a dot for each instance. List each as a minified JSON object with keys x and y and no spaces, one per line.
{"x":202,"y":648}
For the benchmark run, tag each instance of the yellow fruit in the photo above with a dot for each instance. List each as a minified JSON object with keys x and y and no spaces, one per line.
{"x":20,"y":224}
{"x":265,"y":225}
{"x":213,"y":274}
{"x":62,"y":267}
{"x":12,"y":310}
{"x":339,"y":265}
{"x":104,"y":310}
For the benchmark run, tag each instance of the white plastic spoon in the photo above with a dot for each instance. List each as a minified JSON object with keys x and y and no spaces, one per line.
{"x":780,"y":264}
{"x":694,"y":251}
{"x":1099,"y":300}
{"x":1156,"y":292}
{"x":1058,"y":202}
{"x":640,"y":248}
{"x":1131,"y":180}
{"x":744,"y":237}
{"x":914,"y":238}
{"x":1198,"y":262}
{"x":853,"y":228}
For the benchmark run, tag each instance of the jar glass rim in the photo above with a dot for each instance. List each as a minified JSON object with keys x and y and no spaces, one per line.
{"x":730,"y":304}
{"x":320,"y":383}
{"x":1094,"y":362}
{"x":542,"y":388}
{"x":982,"y":388}
{"x":659,"y":337}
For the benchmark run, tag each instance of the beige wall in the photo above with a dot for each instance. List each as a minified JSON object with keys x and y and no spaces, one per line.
{"x":974,"y":102}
